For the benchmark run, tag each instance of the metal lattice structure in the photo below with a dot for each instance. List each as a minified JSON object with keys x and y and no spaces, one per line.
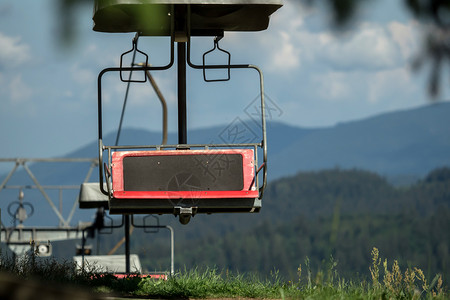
{"x":21,"y":238}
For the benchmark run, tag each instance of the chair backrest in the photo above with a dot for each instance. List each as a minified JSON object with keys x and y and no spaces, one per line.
{"x":163,"y":174}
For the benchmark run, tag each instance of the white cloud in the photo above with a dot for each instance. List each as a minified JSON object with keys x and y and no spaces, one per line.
{"x":383,"y":85}
{"x":370,"y":47}
{"x":19,"y":91}
{"x":406,"y":36}
{"x":291,"y":42}
{"x":12,"y":51}
{"x":287,"y":57}
{"x":292,"y":15}
{"x":368,"y":64}
{"x":334,"y":86}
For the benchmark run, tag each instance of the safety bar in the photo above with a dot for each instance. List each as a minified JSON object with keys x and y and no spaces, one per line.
{"x":105,"y":172}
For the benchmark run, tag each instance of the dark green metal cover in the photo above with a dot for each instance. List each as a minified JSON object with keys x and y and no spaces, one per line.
{"x":153,"y":17}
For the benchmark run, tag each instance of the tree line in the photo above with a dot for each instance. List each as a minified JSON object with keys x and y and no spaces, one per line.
{"x":331,"y":215}
{"x":338,"y":214}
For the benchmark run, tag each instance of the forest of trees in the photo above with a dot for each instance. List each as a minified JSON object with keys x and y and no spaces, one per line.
{"x":314,"y":215}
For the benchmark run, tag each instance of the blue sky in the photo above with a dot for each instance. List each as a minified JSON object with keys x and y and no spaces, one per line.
{"x":48,"y":104}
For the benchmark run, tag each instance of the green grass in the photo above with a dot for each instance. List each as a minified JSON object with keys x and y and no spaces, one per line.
{"x":386,"y":282}
{"x":211,"y":284}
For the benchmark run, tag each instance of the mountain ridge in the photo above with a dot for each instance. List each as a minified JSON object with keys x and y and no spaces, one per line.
{"x":411,"y":141}
{"x":408,"y":143}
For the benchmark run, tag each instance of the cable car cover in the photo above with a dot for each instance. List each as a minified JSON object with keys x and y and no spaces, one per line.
{"x":153,"y":17}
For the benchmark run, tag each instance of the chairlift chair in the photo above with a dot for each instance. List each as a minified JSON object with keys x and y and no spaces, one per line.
{"x":182,"y":179}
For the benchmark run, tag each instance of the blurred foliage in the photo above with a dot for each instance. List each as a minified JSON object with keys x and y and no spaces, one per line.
{"x":66,"y":15}
{"x":437,"y":44}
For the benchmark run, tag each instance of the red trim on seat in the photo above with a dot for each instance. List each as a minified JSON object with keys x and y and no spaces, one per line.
{"x":184,"y":194}
{"x":248,"y":176}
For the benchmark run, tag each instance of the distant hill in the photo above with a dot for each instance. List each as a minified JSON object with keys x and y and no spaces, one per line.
{"x":409,"y":142}
{"x":403,"y":143}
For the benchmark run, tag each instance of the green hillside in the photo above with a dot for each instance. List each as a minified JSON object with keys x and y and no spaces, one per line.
{"x":316,"y":215}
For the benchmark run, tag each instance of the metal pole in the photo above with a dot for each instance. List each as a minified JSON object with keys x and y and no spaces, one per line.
{"x":83,"y":241}
{"x":41,"y":189}
{"x":60,"y":205}
{"x":163,"y":103}
{"x":182,"y":119}
{"x":172,"y":250}
{"x":127,"y":244}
